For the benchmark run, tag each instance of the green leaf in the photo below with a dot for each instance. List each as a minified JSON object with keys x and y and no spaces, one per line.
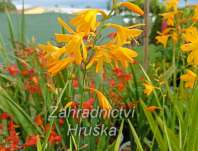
{"x":136,"y":138}
{"x":39,"y":146}
{"x":20,"y":116}
{"x":155,"y":129}
{"x":119,"y":138}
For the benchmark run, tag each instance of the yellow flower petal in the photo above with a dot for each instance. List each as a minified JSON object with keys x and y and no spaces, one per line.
{"x":189,"y":78}
{"x":59,"y":65}
{"x":103,"y":102}
{"x":86,"y":21}
{"x":64,"y":25}
{"x":148,"y":88}
{"x":163,"y":39}
{"x":124,"y":34}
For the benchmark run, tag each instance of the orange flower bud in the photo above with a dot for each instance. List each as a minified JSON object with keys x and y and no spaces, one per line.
{"x":132,"y":7}
{"x":152,"y":108}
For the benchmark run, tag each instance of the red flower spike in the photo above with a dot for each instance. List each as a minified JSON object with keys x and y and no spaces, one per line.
{"x":13,"y":138}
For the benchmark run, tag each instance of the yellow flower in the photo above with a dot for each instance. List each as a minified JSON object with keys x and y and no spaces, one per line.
{"x":100,"y":57}
{"x":190,"y":33}
{"x":189,"y":78}
{"x":162,"y":38}
{"x":171,"y":4}
{"x":124,"y":34}
{"x":148,"y":88}
{"x":74,"y":50}
{"x":191,"y":37}
{"x":169,"y":17}
{"x":103,"y":102}
{"x":132,"y":7}
{"x":53,"y":57}
{"x":109,"y":53}
{"x":86,"y":21}
{"x":74,"y":43}
{"x":126,"y":56}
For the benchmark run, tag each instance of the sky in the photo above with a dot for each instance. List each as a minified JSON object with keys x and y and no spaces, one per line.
{"x":64,"y":3}
{"x":74,"y":3}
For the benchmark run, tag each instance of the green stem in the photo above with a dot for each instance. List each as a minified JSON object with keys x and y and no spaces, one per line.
{"x":135,"y":83}
{"x":175,"y":73}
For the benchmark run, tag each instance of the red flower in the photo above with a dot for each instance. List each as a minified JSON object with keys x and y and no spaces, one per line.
{"x":27,"y":72}
{"x":112,"y":82}
{"x":61,"y":122}
{"x":88,"y":104}
{"x":31,"y":141}
{"x":32,"y":85}
{"x":13,"y":138}
{"x":11,"y":126}
{"x":39,"y":120}
{"x":118,"y":72}
{"x":35,"y":80}
{"x":75,"y":84}
{"x":120,"y":86}
{"x":4,"y":116}
{"x":127,"y":77}
{"x":13,"y":70}
{"x":54,"y":138}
